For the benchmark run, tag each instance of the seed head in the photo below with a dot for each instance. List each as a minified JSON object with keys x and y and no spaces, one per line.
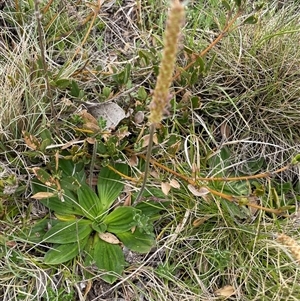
{"x":160,"y":97}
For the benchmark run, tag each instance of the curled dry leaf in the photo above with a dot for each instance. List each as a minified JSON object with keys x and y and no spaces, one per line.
{"x":225,"y":291}
{"x":127,"y":201}
{"x":91,"y":126}
{"x":165,"y":187}
{"x":186,"y":96}
{"x":42,"y":195}
{"x":145,"y":140}
{"x":174,"y":183}
{"x":109,"y":237}
{"x":122,"y":133}
{"x":31,"y":141}
{"x":199,"y":221}
{"x":197,"y":192}
{"x":225,"y":130}
{"x":91,"y":140}
{"x":154,"y":174}
{"x":87,"y":117}
{"x":133,"y":160}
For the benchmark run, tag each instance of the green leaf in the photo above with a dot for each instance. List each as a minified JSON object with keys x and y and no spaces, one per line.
{"x":106,"y":91}
{"x":194,"y":77}
{"x":200,"y":62}
{"x":238,"y":2}
{"x":121,"y":219}
{"x":152,"y":209}
{"x":152,"y":193}
{"x":63,"y":253}
{"x":61,"y":83}
{"x":210,"y":63}
{"x":68,"y":231}
{"x":66,"y":204}
{"x":110,"y":185}
{"x":226,"y":5}
{"x":108,"y":257}
{"x":70,"y":183}
{"x":251,"y":20}
{"x":142,"y":94}
{"x":38,"y":230}
{"x":89,"y":201}
{"x":296,"y":159}
{"x":137,"y":241}
{"x":75,"y":91}
{"x":99,"y":227}
{"x":70,"y":169}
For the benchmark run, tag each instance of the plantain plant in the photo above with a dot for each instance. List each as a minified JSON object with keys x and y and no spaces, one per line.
{"x":88,"y":223}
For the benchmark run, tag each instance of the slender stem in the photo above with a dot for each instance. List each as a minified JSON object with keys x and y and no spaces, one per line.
{"x":93,"y":160}
{"x":43,"y":59}
{"x":147,"y":161}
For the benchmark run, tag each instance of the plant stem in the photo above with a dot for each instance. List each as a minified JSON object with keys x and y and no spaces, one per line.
{"x":43,"y":59}
{"x":147,"y":161}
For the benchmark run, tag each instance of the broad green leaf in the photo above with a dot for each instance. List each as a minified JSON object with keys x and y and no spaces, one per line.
{"x":68,"y":232}
{"x":70,"y":183}
{"x":99,"y":227}
{"x":152,"y":209}
{"x":65,"y":217}
{"x":108,"y":257}
{"x":38,"y":230}
{"x":63,"y":253}
{"x":137,"y":241}
{"x":66,"y":204}
{"x":200,"y":62}
{"x":89,"y":201}
{"x":152,"y":193}
{"x":110,"y":185}
{"x":236,"y":188}
{"x":73,"y":170}
{"x":121,"y":219}
{"x":106,"y":91}
{"x":88,"y":257}
{"x":235,"y":210}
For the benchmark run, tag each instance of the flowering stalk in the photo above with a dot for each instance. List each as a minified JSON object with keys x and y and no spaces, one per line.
{"x":160,"y":97}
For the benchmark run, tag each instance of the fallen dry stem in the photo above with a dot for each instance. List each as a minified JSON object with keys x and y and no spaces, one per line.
{"x":230,"y":198}
{"x":211,"y":45}
{"x":94,"y":15}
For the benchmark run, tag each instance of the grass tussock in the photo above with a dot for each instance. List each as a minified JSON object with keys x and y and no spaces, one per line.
{"x":253,"y":89}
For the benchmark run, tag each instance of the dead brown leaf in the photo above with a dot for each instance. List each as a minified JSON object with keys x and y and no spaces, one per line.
{"x":198,"y":192}
{"x":225,"y":291}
